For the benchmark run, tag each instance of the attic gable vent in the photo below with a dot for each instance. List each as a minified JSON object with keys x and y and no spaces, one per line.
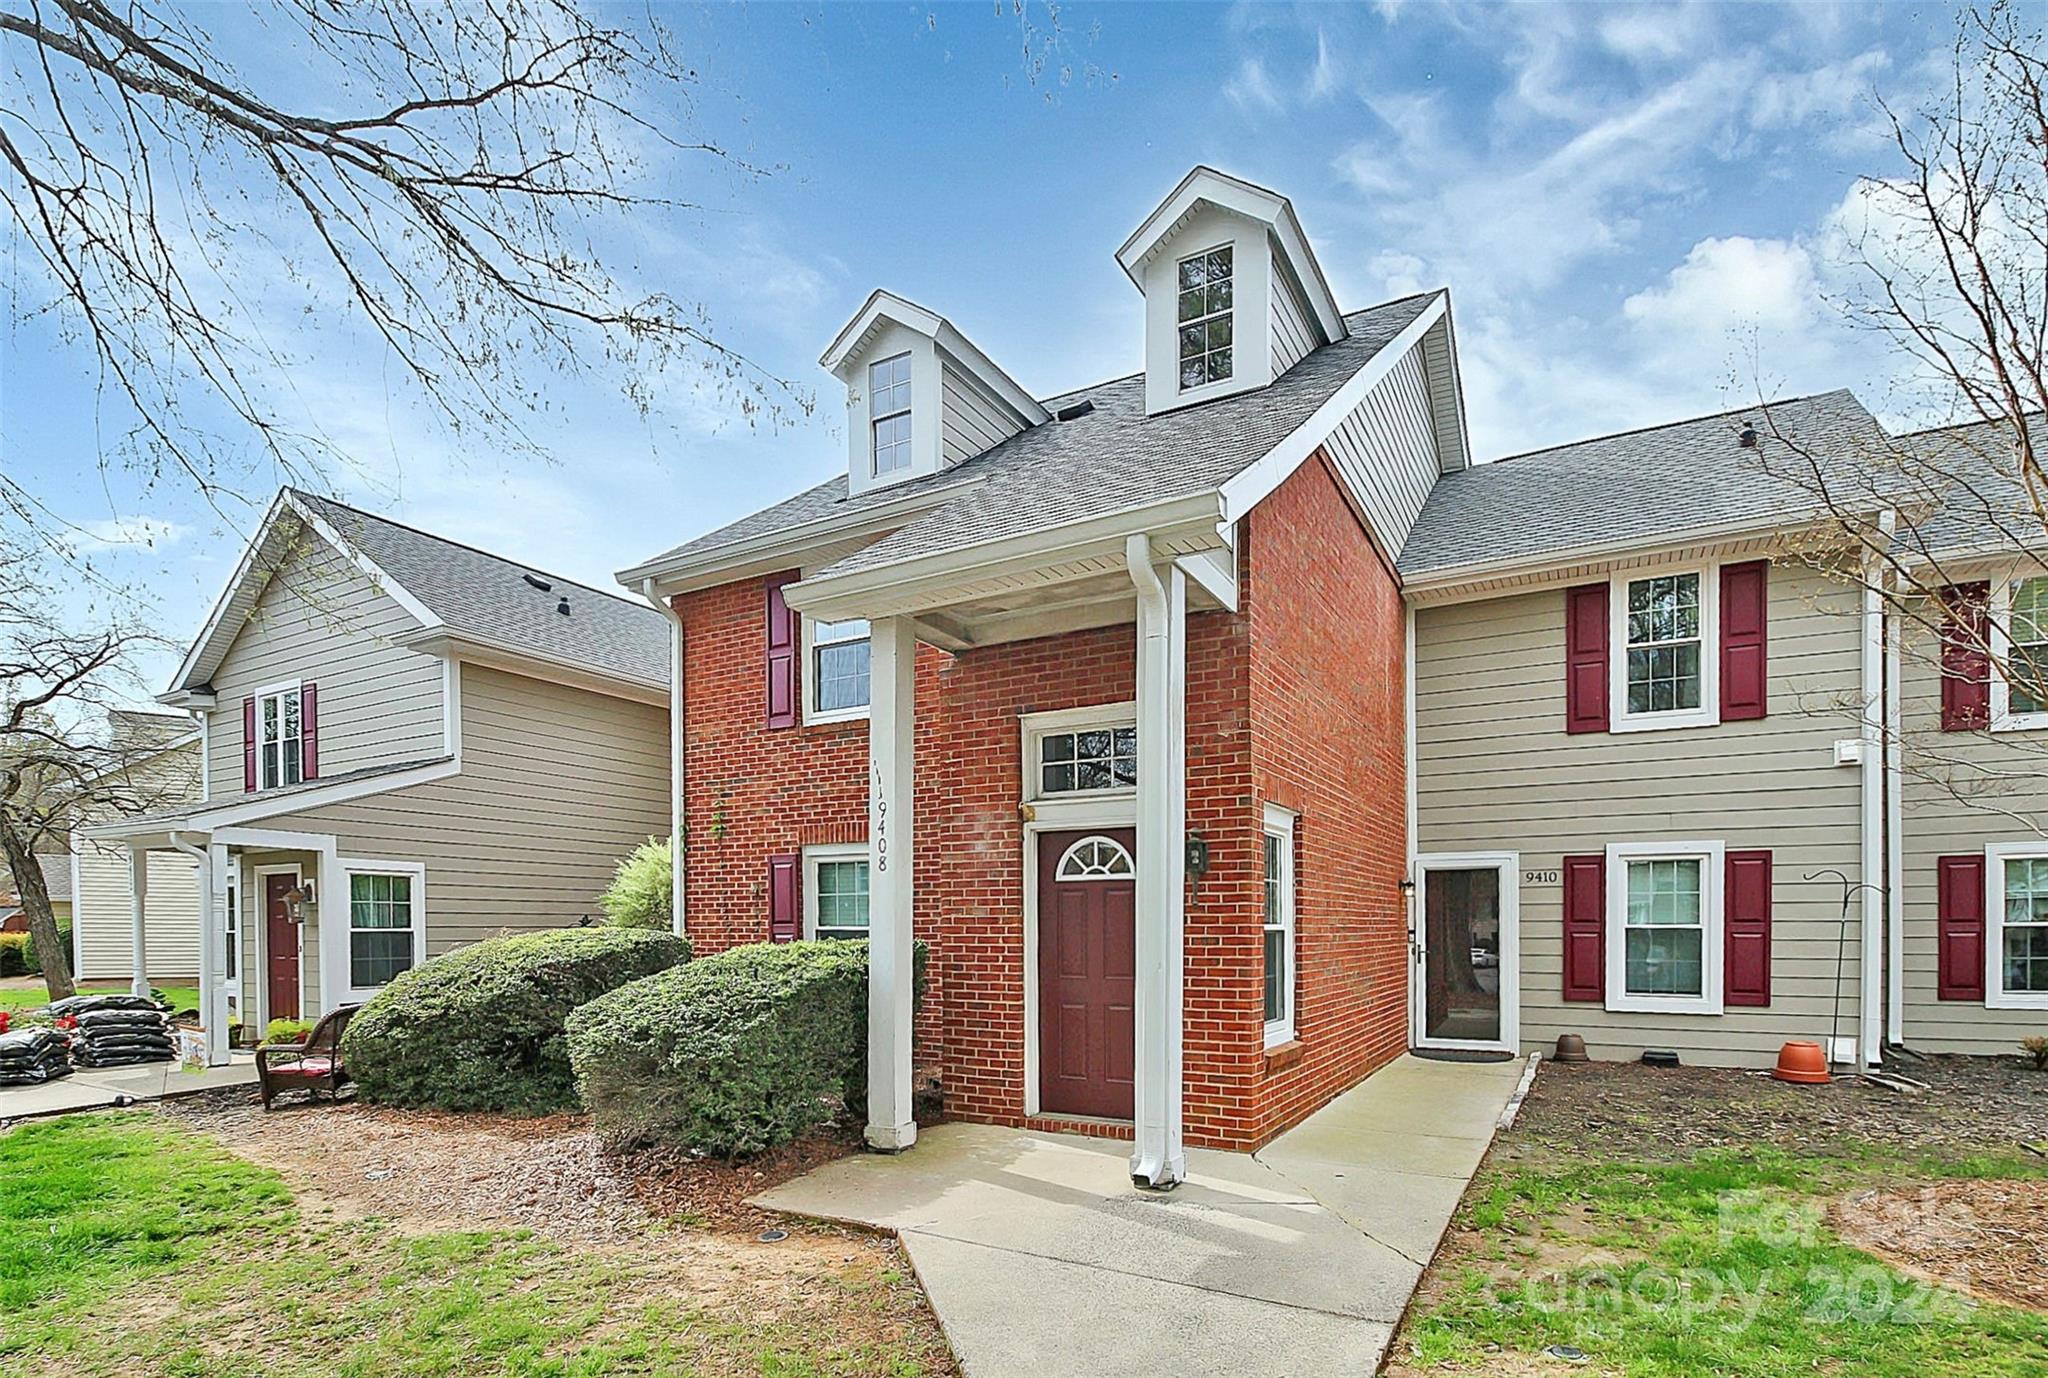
{"x":1075,"y":412}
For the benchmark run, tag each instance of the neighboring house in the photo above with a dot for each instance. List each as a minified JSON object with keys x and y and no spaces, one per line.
{"x":1225,"y":731}
{"x":408,"y":745}
{"x":164,"y":772}
{"x":56,"y":871}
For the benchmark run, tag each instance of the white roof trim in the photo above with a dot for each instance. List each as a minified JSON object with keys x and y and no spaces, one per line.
{"x":203,"y":650}
{"x":1252,"y":484}
{"x":1270,"y":208}
{"x":887,"y":306}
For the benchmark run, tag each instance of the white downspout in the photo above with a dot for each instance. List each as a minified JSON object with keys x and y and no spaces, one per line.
{"x":676,"y":866}
{"x":1871,"y":862}
{"x":1894,"y":830}
{"x":1159,"y":1157}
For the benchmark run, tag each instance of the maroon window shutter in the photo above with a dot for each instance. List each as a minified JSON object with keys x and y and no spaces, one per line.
{"x":1745,"y":639}
{"x":1959,"y":928}
{"x":782,"y":644}
{"x":1965,"y":657}
{"x":1746,"y":979}
{"x":1585,"y":658}
{"x":309,"y":731}
{"x":249,"y":744}
{"x":785,"y":912}
{"x":1585,"y":928}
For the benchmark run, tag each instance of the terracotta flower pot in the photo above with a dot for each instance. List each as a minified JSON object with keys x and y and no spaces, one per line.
{"x":1570,"y":1048}
{"x":1802,"y":1063}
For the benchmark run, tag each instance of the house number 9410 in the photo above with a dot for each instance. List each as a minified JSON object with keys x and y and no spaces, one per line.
{"x":1542,"y":877}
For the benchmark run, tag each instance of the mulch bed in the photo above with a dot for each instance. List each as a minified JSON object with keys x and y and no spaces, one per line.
{"x":1605,"y":1110}
{"x":1986,"y":1238}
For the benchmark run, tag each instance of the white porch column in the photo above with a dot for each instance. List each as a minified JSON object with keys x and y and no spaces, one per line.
{"x":217,"y":1041}
{"x":1159,"y":1159}
{"x":892,"y":681}
{"x":138,"y":930}
{"x":211,"y":947}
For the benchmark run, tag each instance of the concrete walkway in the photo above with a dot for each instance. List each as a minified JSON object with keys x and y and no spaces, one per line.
{"x":1042,"y":1261}
{"x":98,"y":1089}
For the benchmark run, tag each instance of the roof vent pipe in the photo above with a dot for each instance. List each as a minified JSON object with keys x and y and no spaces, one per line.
{"x":563,"y":607}
{"x":1747,"y":439}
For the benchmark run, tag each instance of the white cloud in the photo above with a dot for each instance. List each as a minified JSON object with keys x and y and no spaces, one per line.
{"x":1324,"y":76}
{"x":1728,"y":283}
{"x":148,"y":532}
{"x":1251,"y":89}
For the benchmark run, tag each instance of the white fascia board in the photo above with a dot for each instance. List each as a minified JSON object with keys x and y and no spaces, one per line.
{"x":1557,"y":562}
{"x":777,"y":550}
{"x":184,"y":677}
{"x":1252,"y":201}
{"x":520,"y":660}
{"x":1255,"y":482}
{"x":370,"y":568}
{"x":1456,"y":381}
{"x":830,"y":597}
{"x":879,"y":306}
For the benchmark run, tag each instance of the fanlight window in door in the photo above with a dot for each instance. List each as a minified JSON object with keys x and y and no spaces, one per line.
{"x":1095,"y":858}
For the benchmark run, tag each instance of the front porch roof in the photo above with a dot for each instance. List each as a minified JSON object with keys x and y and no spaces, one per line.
{"x":204,"y":816}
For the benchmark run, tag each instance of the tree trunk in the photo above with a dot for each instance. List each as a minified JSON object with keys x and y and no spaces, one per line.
{"x":35,"y":902}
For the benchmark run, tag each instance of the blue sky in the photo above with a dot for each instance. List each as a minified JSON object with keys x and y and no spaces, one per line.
{"x":1638,"y":212}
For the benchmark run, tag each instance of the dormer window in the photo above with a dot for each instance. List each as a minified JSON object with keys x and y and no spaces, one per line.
{"x":1204,"y":314}
{"x":889,"y":413}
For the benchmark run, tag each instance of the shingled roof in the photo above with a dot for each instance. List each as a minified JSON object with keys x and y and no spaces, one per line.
{"x":472,"y":591}
{"x":1113,"y":458}
{"x":1970,"y":477}
{"x":1640,"y":486}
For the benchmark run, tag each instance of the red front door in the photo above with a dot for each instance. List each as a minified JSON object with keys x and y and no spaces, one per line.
{"x":281,"y":942}
{"x":1087,"y":972}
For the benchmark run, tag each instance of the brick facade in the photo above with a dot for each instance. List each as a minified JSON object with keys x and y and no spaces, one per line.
{"x":1294,"y":700}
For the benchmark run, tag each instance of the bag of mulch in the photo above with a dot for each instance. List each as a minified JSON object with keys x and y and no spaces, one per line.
{"x":120,"y":1019}
{"x":124,"y":1059}
{"x":28,"y":1043}
{"x":116,"y":1046}
{"x":82,"y":1004}
{"x":35,"y":1075}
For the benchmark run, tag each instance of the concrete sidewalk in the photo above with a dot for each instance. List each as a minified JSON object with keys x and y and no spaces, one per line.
{"x":99,"y":1089}
{"x":1041,"y":1259}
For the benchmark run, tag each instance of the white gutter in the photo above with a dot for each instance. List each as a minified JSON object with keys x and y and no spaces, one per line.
{"x":676,"y":757}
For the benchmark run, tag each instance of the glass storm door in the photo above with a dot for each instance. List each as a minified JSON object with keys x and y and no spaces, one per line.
{"x":1466,"y":959}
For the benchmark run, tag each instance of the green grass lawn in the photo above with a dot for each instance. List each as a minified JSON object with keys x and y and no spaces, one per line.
{"x":21,"y":999}
{"x":1723,"y":1264}
{"x":129,"y":1247}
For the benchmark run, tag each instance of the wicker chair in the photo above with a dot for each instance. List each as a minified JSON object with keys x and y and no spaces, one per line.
{"x":313,"y":1066}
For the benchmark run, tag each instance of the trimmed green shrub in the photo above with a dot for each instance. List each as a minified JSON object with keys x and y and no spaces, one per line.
{"x":642,"y":891}
{"x":481,"y":1027}
{"x":729,"y":1055}
{"x":32,"y":965}
{"x":13,"y":954}
{"x":282,"y":1031}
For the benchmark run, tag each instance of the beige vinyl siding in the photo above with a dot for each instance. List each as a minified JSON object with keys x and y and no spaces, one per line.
{"x":557,"y":784}
{"x":1496,"y":771}
{"x":1386,"y":449}
{"x":103,"y":896}
{"x":1294,"y":334}
{"x":322,"y":619}
{"x":1961,"y":790}
{"x":972,"y":419}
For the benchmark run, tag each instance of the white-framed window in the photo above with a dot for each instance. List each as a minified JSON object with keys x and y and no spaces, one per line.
{"x":836,"y":664}
{"x":1665,"y":649}
{"x":1095,"y":858}
{"x":1664,"y":927}
{"x":889,"y":413}
{"x":2019,"y":644}
{"x":1277,"y":922}
{"x":1203,"y":317}
{"x":386,"y":922}
{"x":1087,"y":760}
{"x":279,"y":742}
{"x":2016,"y":926}
{"x":836,"y":891}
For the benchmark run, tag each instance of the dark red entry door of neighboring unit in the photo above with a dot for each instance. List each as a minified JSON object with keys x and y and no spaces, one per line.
{"x":281,"y":943}
{"x":1087,"y":977}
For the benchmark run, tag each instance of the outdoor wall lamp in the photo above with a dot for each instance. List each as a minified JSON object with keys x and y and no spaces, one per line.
{"x":297,"y":898}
